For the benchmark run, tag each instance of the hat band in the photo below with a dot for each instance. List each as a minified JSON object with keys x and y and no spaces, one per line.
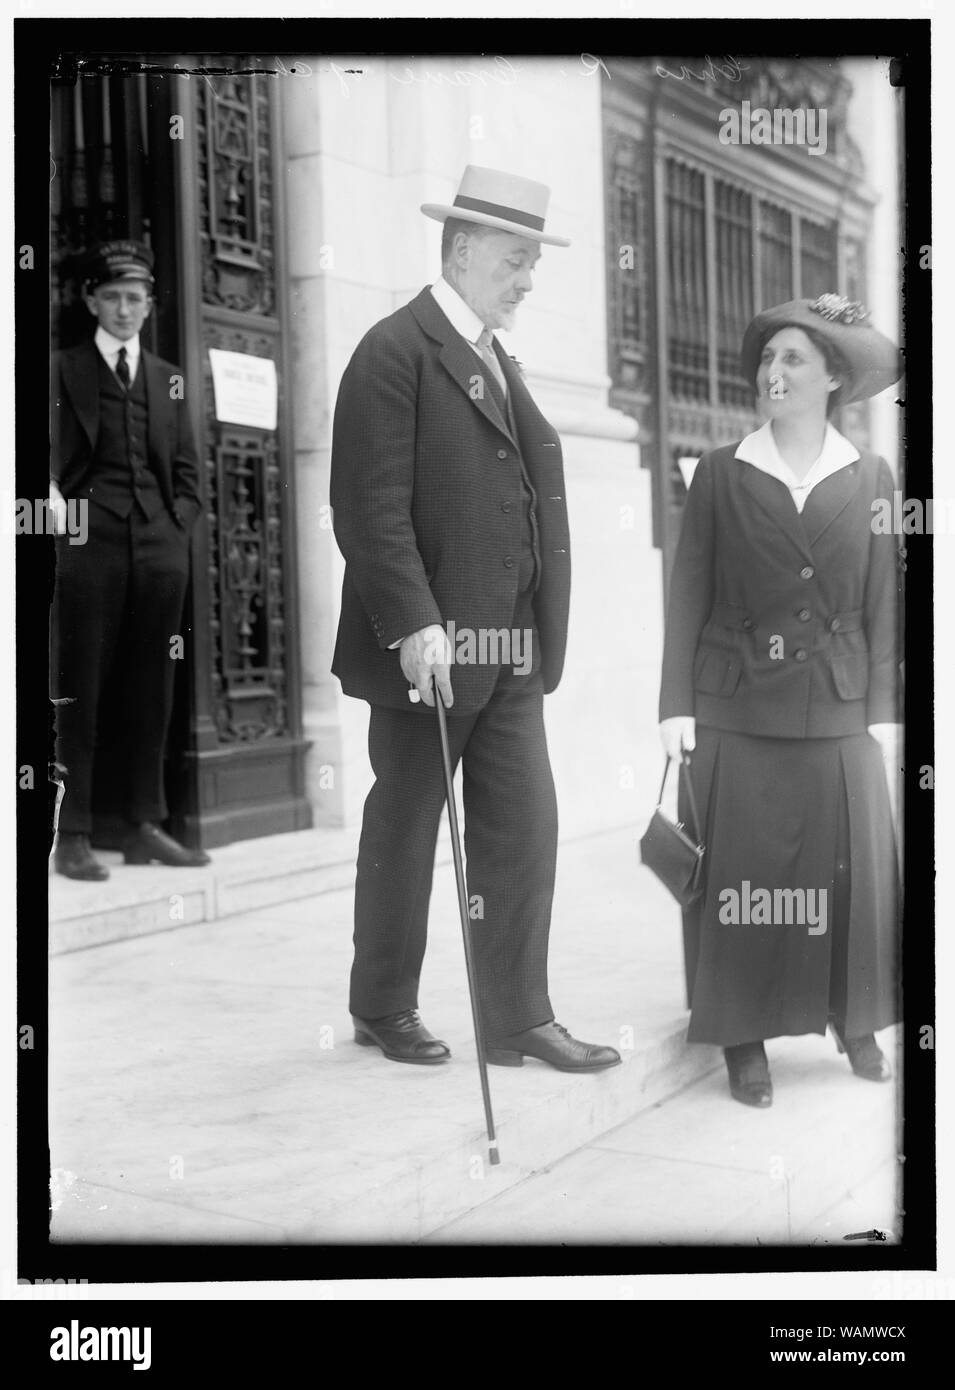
{"x":526,"y":219}
{"x":120,"y":272}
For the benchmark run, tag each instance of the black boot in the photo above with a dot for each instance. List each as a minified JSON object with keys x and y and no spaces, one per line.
{"x":866,"y":1058}
{"x":748,"y":1071}
{"x":74,"y":859}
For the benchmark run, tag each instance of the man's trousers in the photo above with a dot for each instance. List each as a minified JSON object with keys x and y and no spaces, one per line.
{"x":510,"y":840}
{"x":117,"y":608}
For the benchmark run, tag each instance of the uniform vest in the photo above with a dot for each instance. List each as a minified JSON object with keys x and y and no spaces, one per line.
{"x":119,"y":474}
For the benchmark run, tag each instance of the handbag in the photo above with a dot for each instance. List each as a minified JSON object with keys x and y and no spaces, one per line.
{"x":674,"y":856}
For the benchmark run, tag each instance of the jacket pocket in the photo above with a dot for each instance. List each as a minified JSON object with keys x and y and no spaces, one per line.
{"x":716,"y":672}
{"x":850,"y":673}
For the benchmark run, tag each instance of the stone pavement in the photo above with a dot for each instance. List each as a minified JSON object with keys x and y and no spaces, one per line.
{"x":205,"y":1087}
{"x":699,"y":1169}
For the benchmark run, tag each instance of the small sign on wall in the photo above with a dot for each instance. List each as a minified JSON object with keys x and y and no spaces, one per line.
{"x":246,"y":389}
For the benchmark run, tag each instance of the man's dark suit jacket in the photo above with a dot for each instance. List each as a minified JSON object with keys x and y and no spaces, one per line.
{"x":426,"y":498}
{"x":750,"y":568}
{"x":170,"y":449}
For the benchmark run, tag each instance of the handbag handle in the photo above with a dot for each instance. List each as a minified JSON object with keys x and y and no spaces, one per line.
{"x":685,"y":768}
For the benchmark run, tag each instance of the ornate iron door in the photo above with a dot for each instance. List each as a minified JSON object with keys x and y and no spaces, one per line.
{"x":243,"y":767}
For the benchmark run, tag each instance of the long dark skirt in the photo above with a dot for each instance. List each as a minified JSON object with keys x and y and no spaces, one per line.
{"x":796,"y":814}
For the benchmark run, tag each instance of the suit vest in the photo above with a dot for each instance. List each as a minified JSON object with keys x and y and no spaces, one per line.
{"x":530,"y":566}
{"x":119,"y":474}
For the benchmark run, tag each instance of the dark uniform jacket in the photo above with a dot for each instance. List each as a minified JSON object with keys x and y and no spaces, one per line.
{"x":426,"y":491}
{"x":170,"y":450}
{"x":750,"y":569}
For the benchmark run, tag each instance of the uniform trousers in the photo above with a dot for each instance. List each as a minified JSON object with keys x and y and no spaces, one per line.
{"x":510,"y":840}
{"x":117,"y":605}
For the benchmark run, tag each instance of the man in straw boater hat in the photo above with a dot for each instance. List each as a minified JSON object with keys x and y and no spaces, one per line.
{"x":449,"y":507}
{"x":122,"y":447}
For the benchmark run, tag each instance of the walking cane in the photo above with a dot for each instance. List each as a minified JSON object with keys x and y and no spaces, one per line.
{"x":492,"y":1153}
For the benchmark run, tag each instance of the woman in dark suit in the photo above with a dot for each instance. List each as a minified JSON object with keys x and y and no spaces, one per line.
{"x":781,"y":672}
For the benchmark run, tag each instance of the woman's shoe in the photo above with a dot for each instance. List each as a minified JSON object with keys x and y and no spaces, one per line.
{"x":865,"y":1056}
{"x":748,"y":1072}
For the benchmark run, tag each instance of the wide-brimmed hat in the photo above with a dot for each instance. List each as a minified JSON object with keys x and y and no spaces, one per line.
{"x":498,"y":199}
{"x":873,"y":362}
{"x":117,"y":260}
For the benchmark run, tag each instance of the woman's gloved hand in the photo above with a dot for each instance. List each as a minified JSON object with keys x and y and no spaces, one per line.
{"x":678,"y":734}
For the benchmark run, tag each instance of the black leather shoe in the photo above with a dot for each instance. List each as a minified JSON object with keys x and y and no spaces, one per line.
{"x":402,"y":1037}
{"x":866,"y":1058}
{"x":748,"y":1072}
{"x":550,"y":1042}
{"x":147,"y":842}
{"x":74,"y":858}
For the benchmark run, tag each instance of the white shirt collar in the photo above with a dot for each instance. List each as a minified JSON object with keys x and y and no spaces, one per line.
{"x":109,"y":348}
{"x":462,"y":316}
{"x":759,"y":449}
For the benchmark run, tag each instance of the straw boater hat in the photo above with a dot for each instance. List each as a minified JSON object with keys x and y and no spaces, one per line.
{"x":497,"y":199}
{"x":873,"y":362}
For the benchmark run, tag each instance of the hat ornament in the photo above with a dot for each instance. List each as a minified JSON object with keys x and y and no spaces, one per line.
{"x":837,"y":309}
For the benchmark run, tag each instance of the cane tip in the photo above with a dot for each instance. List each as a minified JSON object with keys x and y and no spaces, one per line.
{"x":493,"y":1155}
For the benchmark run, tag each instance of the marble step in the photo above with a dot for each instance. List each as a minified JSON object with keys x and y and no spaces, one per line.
{"x":137,"y":901}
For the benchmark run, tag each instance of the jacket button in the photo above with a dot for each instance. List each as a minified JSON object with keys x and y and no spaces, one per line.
{"x":806,"y":572}
{"x":801,"y":654}
{"x":502,"y":453}
{"x":508,"y":562}
{"x":747,"y":624}
{"x":804,"y":615}
{"x":505,"y":506}
{"x":834,"y":625}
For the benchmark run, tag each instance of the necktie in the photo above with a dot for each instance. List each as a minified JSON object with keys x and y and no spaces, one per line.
{"x":489,"y":356}
{"x":122,"y":369}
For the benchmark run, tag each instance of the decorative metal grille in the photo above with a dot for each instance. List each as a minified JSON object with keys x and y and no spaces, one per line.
{"x":243,"y":470}
{"x":235,"y":194}
{"x":819,"y":258}
{"x":734,"y":289}
{"x":686,"y":282}
{"x":776,"y":254}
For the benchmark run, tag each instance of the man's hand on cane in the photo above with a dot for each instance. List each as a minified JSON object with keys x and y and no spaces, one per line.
{"x":426,"y":654}
{"x":678,"y":735}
